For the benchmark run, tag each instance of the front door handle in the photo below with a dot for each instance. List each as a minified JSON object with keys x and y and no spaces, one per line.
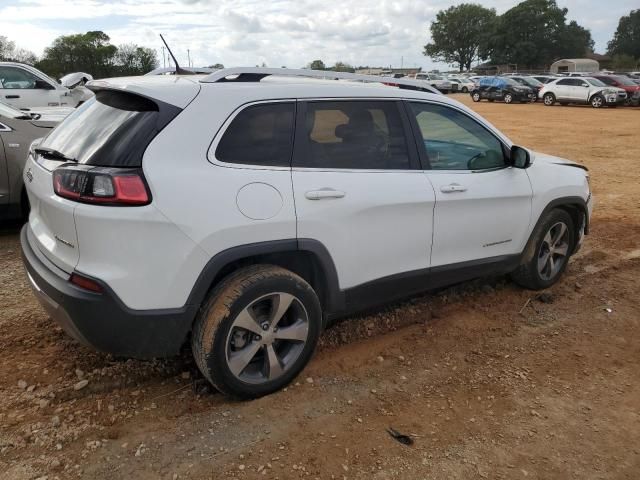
{"x":324,"y":193}
{"x":454,"y":187}
{"x":12,"y":96}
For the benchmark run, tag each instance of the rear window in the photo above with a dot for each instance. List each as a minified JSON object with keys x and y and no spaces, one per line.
{"x":112,"y":129}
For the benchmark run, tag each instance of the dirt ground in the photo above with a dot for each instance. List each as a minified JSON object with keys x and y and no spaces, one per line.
{"x":486,"y":385}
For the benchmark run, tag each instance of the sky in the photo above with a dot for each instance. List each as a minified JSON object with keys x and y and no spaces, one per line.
{"x":278,"y":33}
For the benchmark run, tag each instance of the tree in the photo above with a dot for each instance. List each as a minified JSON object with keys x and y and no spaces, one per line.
{"x":342,"y":67}
{"x":534,"y":33}
{"x":9,"y":52}
{"x":88,"y":52}
{"x":626,"y":40}
{"x":217,"y":66}
{"x":317,"y":65}
{"x":624,"y":62}
{"x":130,"y":59}
{"x":459,"y":33}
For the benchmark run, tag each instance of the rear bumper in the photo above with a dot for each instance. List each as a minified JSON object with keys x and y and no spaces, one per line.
{"x":101,"y":320}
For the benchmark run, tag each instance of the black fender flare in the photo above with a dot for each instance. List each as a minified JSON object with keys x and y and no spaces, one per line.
{"x":204,"y":282}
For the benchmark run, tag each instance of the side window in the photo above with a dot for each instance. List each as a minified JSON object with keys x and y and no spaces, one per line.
{"x":454,"y":141}
{"x":353,"y":135}
{"x":16,"y":78}
{"x":259,"y":135}
{"x":566,"y":81}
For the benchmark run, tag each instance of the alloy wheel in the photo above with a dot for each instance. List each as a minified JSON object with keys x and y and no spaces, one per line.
{"x":548,"y":100}
{"x":553,"y":251}
{"x":508,"y":98}
{"x":596,"y":102}
{"x":267,"y":337}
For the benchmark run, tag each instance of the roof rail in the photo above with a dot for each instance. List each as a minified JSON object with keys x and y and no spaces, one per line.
{"x":249,"y":74}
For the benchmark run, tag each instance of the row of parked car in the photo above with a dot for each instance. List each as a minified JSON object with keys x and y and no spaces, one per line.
{"x":597,"y":90}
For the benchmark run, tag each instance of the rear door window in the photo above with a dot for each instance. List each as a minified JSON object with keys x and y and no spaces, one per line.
{"x":112,"y":129}
{"x":260,"y":135}
{"x":353,"y":135}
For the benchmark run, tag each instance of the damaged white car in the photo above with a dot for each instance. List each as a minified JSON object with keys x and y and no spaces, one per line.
{"x":23,"y":86}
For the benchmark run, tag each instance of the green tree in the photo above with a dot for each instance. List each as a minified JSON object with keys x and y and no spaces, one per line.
{"x":317,"y":65}
{"x":624,"y":62}
{"x":459,"y":34}
{"x":626,"y":40}
{"x":217,"y":66}
{"x":88,"y":52}
{"x":535,"y":33}
{"x":130,"y":59}
{"x":342,"y":67}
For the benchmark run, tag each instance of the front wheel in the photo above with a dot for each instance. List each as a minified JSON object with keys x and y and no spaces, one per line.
{"x":508,"y":98}
{"x":475,"y":97}
{"x":257,"y":331}
{"x":547,"y":253}
{"x":597,"y":101}
{"x":465,"y":90}
{"x":549,"y":99}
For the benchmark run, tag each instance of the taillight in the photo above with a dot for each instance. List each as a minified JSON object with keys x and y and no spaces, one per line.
{"x":101,"y":185}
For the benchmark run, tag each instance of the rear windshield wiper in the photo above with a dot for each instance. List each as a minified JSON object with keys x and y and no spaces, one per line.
{"x":53,"y":154}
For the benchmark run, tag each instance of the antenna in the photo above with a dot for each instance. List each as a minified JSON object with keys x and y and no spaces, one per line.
{"x":179,"y":70}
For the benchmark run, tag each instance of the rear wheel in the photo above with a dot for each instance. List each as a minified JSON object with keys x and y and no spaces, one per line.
{"x":508,"y":98}
{"x":465,"y":90}
{"x":257,"y":331}
{"x":475,"y":97}
{"x":547,"y":254}
{"x":549,"y":99}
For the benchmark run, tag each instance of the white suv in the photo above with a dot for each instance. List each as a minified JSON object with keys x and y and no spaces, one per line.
{"x":243,"y":210}
{"x":581,"y":90}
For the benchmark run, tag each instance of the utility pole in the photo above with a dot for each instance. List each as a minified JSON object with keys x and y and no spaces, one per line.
{"x":164,"y":63}
{"x":188,"y":57}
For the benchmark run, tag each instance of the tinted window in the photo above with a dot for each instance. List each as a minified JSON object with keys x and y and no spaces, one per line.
{"x":566,"y":81}
{"x":355,"y":135}
{"x":454,"y":141}
{"x":259,"y":135}
{"x":16,"y":78}
{"x":111,"y":129}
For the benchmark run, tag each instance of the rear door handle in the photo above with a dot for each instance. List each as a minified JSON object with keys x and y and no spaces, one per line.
{"x":12,"y":96}
{"x":454,"y":187}
{"x":324,"y":193}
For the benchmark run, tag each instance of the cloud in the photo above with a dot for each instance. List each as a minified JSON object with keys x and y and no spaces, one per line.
{"x":277,"y":32}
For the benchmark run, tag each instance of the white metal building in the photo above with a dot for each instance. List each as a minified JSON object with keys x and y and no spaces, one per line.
{"x":568,"y":65}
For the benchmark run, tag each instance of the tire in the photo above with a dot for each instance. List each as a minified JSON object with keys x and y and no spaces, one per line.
{"x":465,"y":90}
{"x":549,"y":99}
{"x":536,"y":273}
{"x":245,"y":308}
{"x":597,"y":101}
{"x":475,"y":96}
{"x":508,"y":98}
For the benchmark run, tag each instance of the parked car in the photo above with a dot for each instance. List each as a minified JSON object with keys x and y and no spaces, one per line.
{"x":250,"y":244}
{"x":17,"y":130}
{"x":462,"y":85}
{"x":501,"y":88}
{"x":436,"y":81}
{"x":532,"y":83}
{"x":545,"y":78}
{"x":626,"y":84}
{"x":23,"y":86}
{"x":583,"y":90}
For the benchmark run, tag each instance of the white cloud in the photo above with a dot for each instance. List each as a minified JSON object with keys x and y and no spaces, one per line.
{"x":277,"y":32}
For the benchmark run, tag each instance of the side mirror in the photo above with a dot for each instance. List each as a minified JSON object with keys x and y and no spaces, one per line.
{"x":519,"y":157}
{"x":584,"y":85}
{"x":42,"y":85}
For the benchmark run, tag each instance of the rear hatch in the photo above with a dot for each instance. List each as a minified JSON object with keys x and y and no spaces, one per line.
{"x":109,"y":133}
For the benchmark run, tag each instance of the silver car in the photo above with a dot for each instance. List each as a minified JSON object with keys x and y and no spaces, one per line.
{"x":18,"y":128}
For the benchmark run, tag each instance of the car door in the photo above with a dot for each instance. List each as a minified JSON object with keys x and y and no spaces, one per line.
{"x":4,"y":173}
{"x":23,"y":89}
{"x":359,"y":191}
{"x":581,"y":90}
{"x":563,"y":90}
{"x":483,"y":207}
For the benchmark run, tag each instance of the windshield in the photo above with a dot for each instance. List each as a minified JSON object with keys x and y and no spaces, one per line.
{"x":111,"y":129}
{"x":625,"y":81}
{"x":595,"y":82}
